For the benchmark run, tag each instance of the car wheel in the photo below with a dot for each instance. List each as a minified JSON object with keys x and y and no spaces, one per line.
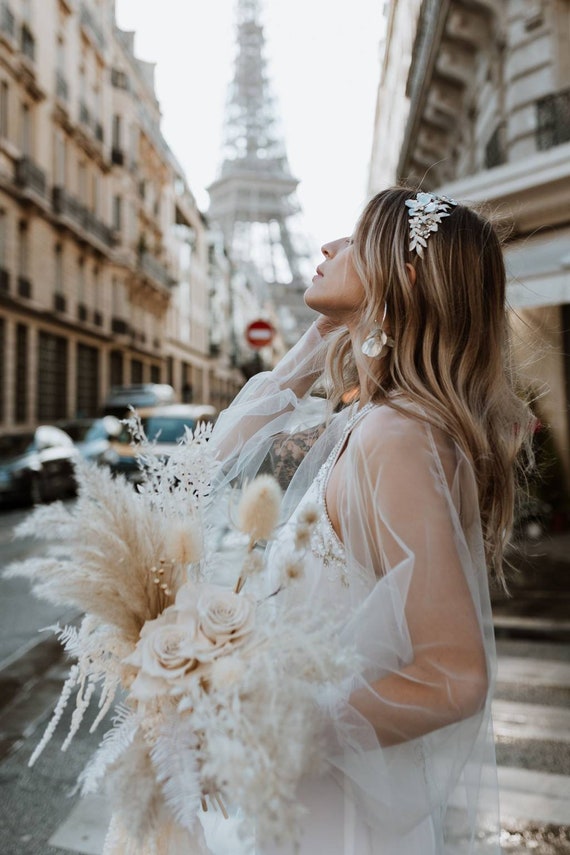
{"x":36,"y":493}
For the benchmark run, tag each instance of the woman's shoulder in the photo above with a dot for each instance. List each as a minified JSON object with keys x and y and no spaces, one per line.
{"x":400,"y":425}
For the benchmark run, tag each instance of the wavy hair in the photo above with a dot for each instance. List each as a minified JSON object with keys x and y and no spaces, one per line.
{"x":452,"y":353}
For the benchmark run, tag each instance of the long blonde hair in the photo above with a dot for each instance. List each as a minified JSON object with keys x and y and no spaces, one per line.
{"x":452,"y":352}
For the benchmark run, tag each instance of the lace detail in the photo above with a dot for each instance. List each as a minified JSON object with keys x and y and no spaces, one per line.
{"x":325,"y":542}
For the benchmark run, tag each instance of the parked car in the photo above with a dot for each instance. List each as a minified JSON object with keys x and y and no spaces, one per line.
{"x":121,"y":398}
{"x":162,"y":425}
{"x":92,"y":437}
{"x":36,"y":466}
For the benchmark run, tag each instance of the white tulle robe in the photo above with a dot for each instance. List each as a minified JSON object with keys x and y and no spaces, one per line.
{"x":406,"y":570}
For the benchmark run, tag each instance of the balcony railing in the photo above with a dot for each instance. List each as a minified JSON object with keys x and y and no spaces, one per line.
{"x":7,"y":20}
{"x":29,"y":175}
{"x":152,"y":267}
{"x":67,"y":206}
{"x":95,"y":31}
{"x":61,"y":87}
{"x":28,"y":43}
{"x":553,"y":120}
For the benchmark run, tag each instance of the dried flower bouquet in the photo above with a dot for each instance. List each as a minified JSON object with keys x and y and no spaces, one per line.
{"x":214,"y":689}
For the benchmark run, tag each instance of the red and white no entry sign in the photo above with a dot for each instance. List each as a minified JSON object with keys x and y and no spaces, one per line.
{"x":259,"y":333}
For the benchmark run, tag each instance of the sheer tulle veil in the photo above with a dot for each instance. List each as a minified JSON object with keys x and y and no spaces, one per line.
{"x":416,"y":589}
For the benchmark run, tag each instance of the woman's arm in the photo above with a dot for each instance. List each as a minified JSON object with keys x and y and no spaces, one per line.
{"x":269,"y":398}
{"x":396,"y":511}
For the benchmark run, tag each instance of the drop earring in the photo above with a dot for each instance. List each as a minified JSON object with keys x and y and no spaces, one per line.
{"x":374,"y":343}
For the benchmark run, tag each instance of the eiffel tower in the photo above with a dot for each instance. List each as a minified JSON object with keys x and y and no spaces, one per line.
{"x":253,"y":200}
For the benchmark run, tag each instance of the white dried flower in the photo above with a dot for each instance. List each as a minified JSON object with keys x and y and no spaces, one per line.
{"x":226,"y":672}
{"x":302,"y":536}
{"x":293,"y":570}
{"x":184,"y":542}
{"x":310,"y":514}
{"x":259,"y":507}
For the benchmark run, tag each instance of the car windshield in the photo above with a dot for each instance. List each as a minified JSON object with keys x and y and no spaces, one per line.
{"x":13,"y":444}
{"x":166,"y":428}
{"x":162,"y":429}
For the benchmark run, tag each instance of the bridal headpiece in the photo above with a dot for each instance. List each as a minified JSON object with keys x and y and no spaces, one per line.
{"x":426,"y":212}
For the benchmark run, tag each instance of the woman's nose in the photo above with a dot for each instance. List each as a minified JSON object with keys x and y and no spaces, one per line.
{"x":326,"y":250}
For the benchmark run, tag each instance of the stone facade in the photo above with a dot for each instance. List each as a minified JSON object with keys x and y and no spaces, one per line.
{"x":487,"y":119}
{"x":96,"y":221}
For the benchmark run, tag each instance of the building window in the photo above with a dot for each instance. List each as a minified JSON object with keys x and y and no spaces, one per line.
{"x":119,"y":79}
{"x":116,"y":368}
{"x":553,"y":120}
{"x":155,"y":373}
{"x":137,"y":371}
{"x":81,"y":282}
{"x":4,"y":108}
{"x":495,"y":153}
{"x":87,"y":402}
{"x":2,"y":367}
{"x":26,"y":130}
{"x":117,"y":132}
{"x":52,"y":377}
{"x":21,"y":375}
{"x":82,"y":181}
{"x":3,"y":238}
{"x":23,"y":250}
{"x":58,"y":269}
{"x":60,"y":160}
{"x":117,"y":213}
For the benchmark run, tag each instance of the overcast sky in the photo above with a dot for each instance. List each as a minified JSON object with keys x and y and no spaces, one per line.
{"x":323,"y":59}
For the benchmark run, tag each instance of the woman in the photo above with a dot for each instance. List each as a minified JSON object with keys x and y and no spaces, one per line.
{"x":415,"y":482}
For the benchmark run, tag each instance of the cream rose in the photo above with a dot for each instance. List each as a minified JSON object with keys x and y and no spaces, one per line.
{"x":225,"y":618}
{"x":164,"y":653}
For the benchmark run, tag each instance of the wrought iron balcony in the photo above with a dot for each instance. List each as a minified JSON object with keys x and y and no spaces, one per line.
{"x":69,"y":207}
{"x":553,"y":120}
{"x":28,"y":43}
{"x":61,"y":86}
{"x":7,"y":21}
{"x":152,"y":267}
{"x":30,"y":176}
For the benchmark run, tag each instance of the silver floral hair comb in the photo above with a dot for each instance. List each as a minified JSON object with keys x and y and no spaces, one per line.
{"x":426,"y":212}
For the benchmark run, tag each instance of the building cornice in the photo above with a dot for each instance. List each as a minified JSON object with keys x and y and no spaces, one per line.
{"x":528,"y":192}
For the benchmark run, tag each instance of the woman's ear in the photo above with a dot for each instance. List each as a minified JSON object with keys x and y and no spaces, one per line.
{"x":411,"y":273}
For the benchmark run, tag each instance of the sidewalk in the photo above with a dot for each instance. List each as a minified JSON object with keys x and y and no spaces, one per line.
{"x":539,"y":586}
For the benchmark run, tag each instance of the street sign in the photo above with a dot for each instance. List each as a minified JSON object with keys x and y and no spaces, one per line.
{"x":259,"y":333}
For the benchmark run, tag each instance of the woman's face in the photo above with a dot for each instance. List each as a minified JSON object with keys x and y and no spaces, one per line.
{"x":336,"y":290}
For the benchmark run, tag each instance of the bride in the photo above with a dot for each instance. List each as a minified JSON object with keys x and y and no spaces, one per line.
{"x":415,"y":481}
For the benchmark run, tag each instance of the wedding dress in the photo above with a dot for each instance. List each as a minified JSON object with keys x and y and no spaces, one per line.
{"x":405,"y":568}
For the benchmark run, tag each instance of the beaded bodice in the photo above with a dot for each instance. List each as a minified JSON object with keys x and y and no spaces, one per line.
{"x":325,"y":543}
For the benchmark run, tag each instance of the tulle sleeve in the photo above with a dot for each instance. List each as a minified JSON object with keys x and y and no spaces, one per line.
{"x":412,"y":734}
{"x":269,"y":409}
